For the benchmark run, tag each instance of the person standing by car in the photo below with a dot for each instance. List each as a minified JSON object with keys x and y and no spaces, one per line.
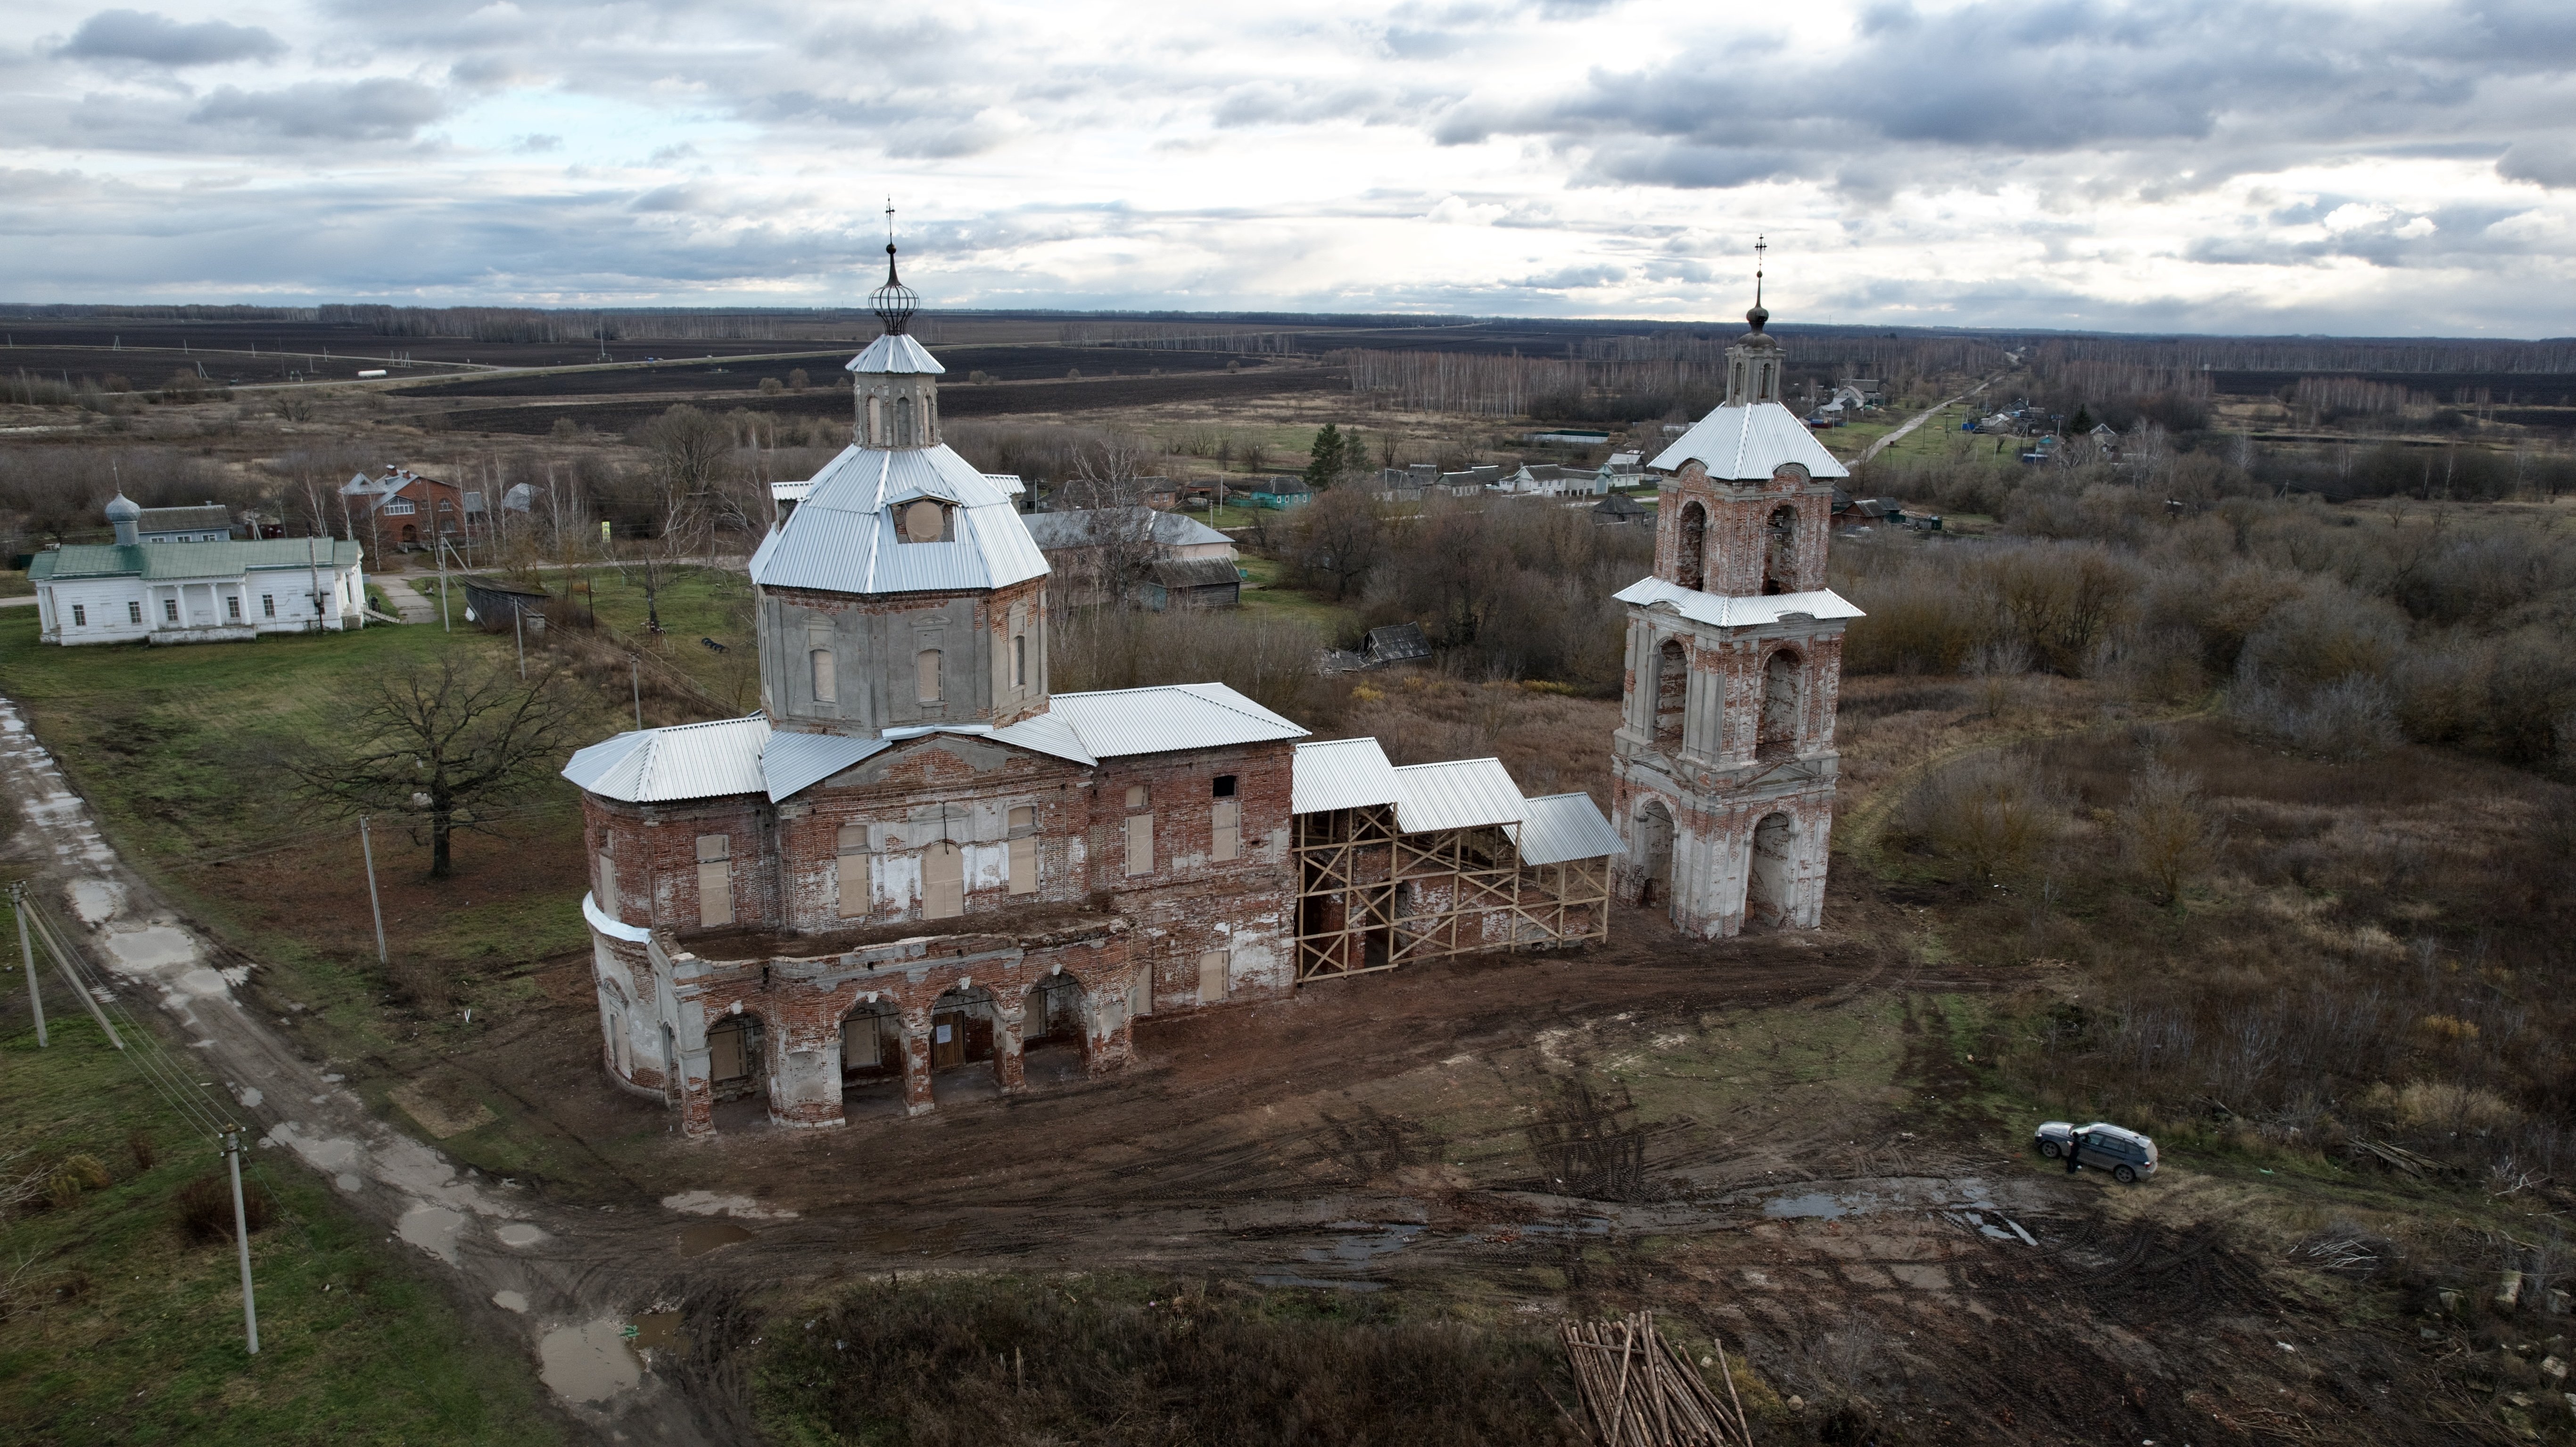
{"x":2074,"y":1148}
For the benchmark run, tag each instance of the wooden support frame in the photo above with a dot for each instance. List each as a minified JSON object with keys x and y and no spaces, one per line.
{"x":1371,"y":897}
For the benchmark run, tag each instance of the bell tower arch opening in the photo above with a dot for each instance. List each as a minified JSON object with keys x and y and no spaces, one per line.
{"x":1690,"y":547}
{"x":1777,"y":735}
{"x":1767,"y":883}
{"x":1780,"y":551}
{"x":1653,"y":836}
{"x":1672,"y":693}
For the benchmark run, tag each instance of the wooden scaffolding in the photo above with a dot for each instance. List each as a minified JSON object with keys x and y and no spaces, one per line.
{"x":1372,"y":897}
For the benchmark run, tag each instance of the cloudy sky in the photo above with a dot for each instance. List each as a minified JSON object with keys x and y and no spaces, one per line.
{"x":2216,"y":165}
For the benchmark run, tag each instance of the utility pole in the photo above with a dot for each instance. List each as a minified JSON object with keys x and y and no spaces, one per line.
{"x":519,"y":625}
{"x":367,"y":847}
{"x":442,"y":587}
{"x":27,"y":952}
{"x":241,"y":1237}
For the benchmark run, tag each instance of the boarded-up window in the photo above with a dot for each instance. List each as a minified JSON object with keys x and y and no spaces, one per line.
{"x":623,"y":1049}
{"x":827,"y":689}
{"x":1212,"y":976}
{"x":1140,"y":994}
{"x":1140,"y":844}
{"x":715,"y":879}
{"x":852,"y":862}
{"x":1135,"y":796}
{"x":943,"y":881}
{"x":1225,"y":830}
{"x":606,"y":894}
{"x":1024,"y":850}
{"x":925,"y":672}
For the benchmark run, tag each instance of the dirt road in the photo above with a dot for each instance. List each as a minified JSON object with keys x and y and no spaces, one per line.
{"x":1918,"y":419}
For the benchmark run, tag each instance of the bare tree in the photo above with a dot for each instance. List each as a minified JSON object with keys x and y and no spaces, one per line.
{"x":1341,"y":535}
{"x":2166,"y":830}
{"x":447,"y":744}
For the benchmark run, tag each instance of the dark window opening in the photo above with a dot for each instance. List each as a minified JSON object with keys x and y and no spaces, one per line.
{"x":1225,"y":786}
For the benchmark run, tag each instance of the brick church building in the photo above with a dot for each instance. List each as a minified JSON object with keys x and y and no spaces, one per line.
{"x":1723,"y":766}
{"x":919,"y":870}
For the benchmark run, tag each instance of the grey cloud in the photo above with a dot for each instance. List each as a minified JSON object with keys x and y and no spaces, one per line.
{"x":360,"y":110}
{"x":676,"y":197}
{"x":2548,"y":163}
{"x":536,"y":144}
{"x":1574,"y":278}
{"x":160,"y":40}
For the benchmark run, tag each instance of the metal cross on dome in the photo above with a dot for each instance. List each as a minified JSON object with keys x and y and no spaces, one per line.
{"x":894,"y":303}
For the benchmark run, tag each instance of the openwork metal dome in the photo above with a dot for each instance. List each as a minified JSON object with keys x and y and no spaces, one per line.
{"x":894,"y":302}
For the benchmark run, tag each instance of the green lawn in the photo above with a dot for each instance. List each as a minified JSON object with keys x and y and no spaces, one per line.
{"x":113,"y":1328}
{"x":1265,"y":595}
{"x":696,"y":604}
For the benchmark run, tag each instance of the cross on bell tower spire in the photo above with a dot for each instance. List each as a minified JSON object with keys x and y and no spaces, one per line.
{"x":894,"y":302}
{"x":1758,"y":316}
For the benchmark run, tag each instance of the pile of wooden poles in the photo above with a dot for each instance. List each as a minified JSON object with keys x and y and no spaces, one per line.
{"x":1641,"y":1392}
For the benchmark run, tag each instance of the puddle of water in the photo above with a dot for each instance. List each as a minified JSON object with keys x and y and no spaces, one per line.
{"x":142,"y":951}
{"x":588,"y":1363}
{"x":348,"y":1181}
{"x":659,"y":1331}
{"x":511,"y":1301}
{"x":708,"y":1203}
{"x":1818,"y":1207}
{"x":1369,"y":1242}
{"x":519,"y":1233}
{"x":709,"y":1236}
{"x":433,"y":1229}
{"x":95,"y":900}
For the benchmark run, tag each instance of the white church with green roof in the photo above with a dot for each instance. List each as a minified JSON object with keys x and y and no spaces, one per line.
{"x":132,"y":591}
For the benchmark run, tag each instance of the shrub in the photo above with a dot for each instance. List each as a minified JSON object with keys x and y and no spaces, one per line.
{"x":203,"y":1209}
{"x":2167,"y":830}
{"x":1991,"y":814}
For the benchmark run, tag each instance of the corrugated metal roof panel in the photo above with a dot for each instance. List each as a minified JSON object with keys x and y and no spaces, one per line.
{"x":1565,"y":826}
{"x":685,"y":761}
{"x":1047,"y":734}
{"x":842,"y":538}
{"x":1122,"y":721}
{"x":1748,"y":612}
{"x":896,"y":353}
{"x":1749,"y":444}
{"x":162,"y":561}
{"x":793,"y":761}
{"x":1457,"y":794}
{"x":1008,"y":482}
{"x":1342,"y":774}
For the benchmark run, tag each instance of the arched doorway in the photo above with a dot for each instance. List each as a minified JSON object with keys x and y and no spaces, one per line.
{"x":1780,"y":551}
{"x":872,"y":1060}
{"x":410,"y":535}
{"x":962,"y":1030}
{"x":1672,"y":693}
{"x":1781,"y":679}
{"x":1055,"y":1042}
{"x":1767,"y":883}
{"x":1690,"y":547}
{"x":1652,"y":837}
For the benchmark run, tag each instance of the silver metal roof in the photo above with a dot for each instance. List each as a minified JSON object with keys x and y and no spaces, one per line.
{"x":1341,"y":774}
{"x":1562,"y":827}
{"x":1048,"y":734}
{"x":1822,"y":604}
{"x":1118,"y":722}
{"x":1457,"y":794}
{"x":1749,"y":444}
{"x":687,"y":761}
{"x":1008,"y":482}
{"x":842,"y":539}
{"x":1083,"y":526}
{"x":795,"y":760}
{"x":896,"y":352}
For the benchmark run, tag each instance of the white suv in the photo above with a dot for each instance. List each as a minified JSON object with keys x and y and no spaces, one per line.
{"x":2127,"y":1155}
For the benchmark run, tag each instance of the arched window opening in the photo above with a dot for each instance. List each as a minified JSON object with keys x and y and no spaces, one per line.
{"x":1690,"y":547}
{"x":903,"y":421}
{"x":1653,"y":841}
{"x":826,"y":687}
{"x":1781,"y":678}
{"x":1672,"y":692}
{"x":1019,"y":660}
{"x":1767,"y":884}
{"x":872,"y":419}
{"x":1780,"y":552}
{"x":925,"y":671}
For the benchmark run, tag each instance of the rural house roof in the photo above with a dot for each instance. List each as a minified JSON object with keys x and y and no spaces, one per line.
{"x":1396,"y":643}
{"x":159,"y":562}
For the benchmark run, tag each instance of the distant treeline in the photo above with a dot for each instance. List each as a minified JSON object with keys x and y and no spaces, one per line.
{"x":1625,"y":378}
{"x":2310,"y":354}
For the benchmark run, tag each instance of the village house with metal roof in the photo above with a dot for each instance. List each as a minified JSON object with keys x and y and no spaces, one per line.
{"x":919,"y":871}
{"x":224,"y":591}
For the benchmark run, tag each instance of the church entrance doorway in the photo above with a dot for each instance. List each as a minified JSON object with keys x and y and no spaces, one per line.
{"x":1766,"y":885}
{"x":1654,"y":842}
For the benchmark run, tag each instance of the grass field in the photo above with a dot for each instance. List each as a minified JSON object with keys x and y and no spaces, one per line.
{"x":115,"y":1328}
